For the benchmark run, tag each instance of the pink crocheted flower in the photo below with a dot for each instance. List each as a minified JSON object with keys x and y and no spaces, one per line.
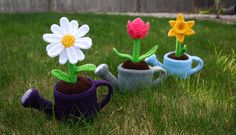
{"x":137,"y":29}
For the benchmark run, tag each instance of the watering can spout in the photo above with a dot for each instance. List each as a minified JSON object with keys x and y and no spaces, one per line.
{"x":152,"y":60}
{"x":32,"y":99}
{"x":103,"y":72}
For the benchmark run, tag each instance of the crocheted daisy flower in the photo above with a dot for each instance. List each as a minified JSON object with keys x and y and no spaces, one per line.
{"x":67,"y":40}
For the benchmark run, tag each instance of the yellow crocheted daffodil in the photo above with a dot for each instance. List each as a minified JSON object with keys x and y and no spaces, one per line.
{"x":180,"y":28}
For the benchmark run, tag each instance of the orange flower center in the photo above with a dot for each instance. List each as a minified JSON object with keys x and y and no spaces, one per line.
{"x":68,"y":41}
{"x":180,"y":27}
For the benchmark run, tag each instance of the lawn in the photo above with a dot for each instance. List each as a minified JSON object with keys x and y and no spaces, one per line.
{"x":202,"y":104}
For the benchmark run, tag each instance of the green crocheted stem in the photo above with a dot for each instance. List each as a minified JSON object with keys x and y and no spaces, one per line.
{"x":149,"y":53}
{"x":136,"y":50}
{"x":179,"y":50}
{"x":72,"y":72}
{"x":86,"y":67}
{"x":122,"y":55}
{"x":69,"y":77}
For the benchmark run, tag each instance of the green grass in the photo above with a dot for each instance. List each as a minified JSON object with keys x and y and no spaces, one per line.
{"x":203,"y":104}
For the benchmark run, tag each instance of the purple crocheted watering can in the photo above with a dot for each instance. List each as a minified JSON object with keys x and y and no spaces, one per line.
{"x":67,"y":106}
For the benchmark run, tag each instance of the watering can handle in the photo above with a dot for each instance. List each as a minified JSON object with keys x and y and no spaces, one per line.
{"x":162,"y":76}
{"x":108,"y":96}
{"x":199,"y":66}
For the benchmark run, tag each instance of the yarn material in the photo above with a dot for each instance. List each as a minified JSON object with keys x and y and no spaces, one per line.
{"x":131,"y":79}
{"x":179,"y":49}
{"x":182,"y":57}
{"x":86,"y":67}
{"x":177,"y":67}
{"x":142,"y":65}
{"x":137,"y":29}
{"x":32,"y":99}
{"x":67,"y":40}
{"x":140,"y":58}
{"x":82,"y":85}
{"x":73,"y":70}
{"x":180,"y":28}
{"x":70,"y":106}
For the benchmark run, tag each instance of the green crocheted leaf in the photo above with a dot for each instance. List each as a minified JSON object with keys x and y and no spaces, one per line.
{"x":122,"y":55}
{"x":86,"y":67}
{"x":149,"y":53}
{"x":184,"y":50}
{"x":61,"y":75}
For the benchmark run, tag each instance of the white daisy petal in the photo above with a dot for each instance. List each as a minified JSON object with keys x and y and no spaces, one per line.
{"x":65,"y":25}
{"x":55,"y":50}
{"x":51,"y":38}
{"x":49,"y":46}
{"x":71,"y":54}
{"x":73,"y":26}
{"x":82,"y":31}
{"x":63,"y":57}
{"x":80,"y":54}
{"x":83,"y":43}
{"x":56,"y":29}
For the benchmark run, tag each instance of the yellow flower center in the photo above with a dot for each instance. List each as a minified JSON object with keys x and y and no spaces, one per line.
{"x":180,"y":27}
{"x":68,"y":41}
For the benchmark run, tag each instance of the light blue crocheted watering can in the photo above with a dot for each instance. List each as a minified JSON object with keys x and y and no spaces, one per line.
{"x":181,"y":68}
